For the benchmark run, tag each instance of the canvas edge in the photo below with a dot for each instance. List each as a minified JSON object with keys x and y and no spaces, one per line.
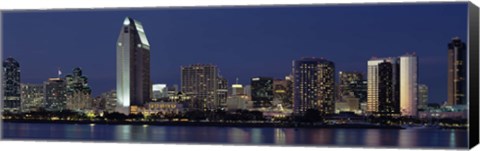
{"x":473,"y":54}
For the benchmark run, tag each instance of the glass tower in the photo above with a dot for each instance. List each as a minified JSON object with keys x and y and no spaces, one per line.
{"x":11,"y":85}
{"x":133,"y":67}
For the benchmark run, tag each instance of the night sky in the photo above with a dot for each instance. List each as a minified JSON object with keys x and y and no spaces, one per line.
{"x":243,"y":41}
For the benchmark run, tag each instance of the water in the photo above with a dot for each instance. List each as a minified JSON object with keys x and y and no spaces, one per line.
{"x":406,"y":138}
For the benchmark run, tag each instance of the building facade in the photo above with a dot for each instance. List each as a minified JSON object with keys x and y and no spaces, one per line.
{"x":314,"y":85}
{"x":55,"y":94}
{"x":262,"y":92}
{"x":159,"y":91}
{"x":133,"y":67}
{"x":11,"y":85}
{"x":201,"y":83}
{"x":383,"y":86}
{"x":422,"y":96}
{"x":409,"y":85}
{"x":32,"y":97}
{"x":457,"y":73}
{"x":78,"y":92}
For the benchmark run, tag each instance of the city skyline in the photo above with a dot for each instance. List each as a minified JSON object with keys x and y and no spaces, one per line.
{"x":277,"y":68}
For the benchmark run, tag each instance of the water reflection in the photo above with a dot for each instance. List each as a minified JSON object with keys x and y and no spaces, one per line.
{"x":238,"y":136}
{"x":279,"y":136}
{"x":432,"y":138}
{"x":123,"y":132}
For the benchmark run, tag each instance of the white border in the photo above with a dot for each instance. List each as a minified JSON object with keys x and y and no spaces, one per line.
{"x":12,"y":5}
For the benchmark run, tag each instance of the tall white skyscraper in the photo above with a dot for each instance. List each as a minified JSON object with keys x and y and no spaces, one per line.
{"x":133,"y":67}
{"x":408,"y":85}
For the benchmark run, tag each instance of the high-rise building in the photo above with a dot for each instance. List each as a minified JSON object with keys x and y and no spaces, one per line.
{"x":408,"y":85}
{"x":133,"y":67}
{"x":282,"y":91}
{"x":55,"y":94}
{"x":314,"y":85}
{"x":262,"y":92}
{"x":422,"y":96}
{"x":352,"y":84}
{"x":77,"y":90}
{"x":201,"y":83}
{"x":457,"y":72}
{"x":159,"y":91}
{"x":32,"y":97}
{"x":222,"y":92}
{"x":383,"y":86}
{"x":172,"y":90}
{"x":11,"y":85}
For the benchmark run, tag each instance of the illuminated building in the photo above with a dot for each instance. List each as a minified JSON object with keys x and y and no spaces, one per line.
{"x":11,"y":85}
{"x":422,"y":96}
{"x":32,"y":97}
{"x":201,"y":82}
{"x":222,"y":92}
{"x":77,"y":90}
{"x":282,"y":91}
{"x":457,"y":73}
{"x":314,"y":85}
{"x":262,"y":92}
{"x":408,"y":85}
{"x":237,"y":89}
{"x":159,"y":91}
{"x":383,"y":86}
{"x":133,"y":67}
{"x":55,"y":94}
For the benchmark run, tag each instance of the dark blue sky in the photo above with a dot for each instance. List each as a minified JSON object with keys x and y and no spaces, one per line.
{"x":243,"y":42}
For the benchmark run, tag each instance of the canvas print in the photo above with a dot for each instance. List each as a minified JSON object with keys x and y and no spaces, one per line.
{"x":356,"y":75}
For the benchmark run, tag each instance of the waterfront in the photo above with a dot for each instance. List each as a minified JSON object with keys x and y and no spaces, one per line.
{"x":403,"y":138}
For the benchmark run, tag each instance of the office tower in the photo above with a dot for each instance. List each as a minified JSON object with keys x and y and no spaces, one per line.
{"x":314,"y":85}
{"x":55,"y":94}
{"x":32,"y":97}
{"x":222,"y":92}
{"x":77,"y":90}
{"x":262,"y":92}
{"x":408,"y":85}
{"x":201,"y":83}
{"x":282,"y":91}
{"x":347,"y":81}
{"x":422,"y":96}
{"x":457,"y":72}
{"x":133,"y":67}
{"x":159,"y":91}
{"x":383,"y":86}
{"x":11,"y":85}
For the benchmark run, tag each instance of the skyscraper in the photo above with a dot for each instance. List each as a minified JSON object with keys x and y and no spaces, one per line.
{"x":282,"y":91}
{"x":77,"y":90}
{"x":383,"y":86}
{"x":457,"y":72}
{"x":408,"y":85}
{"x":32,"y":97}
{"x":422,"y":96}
{"x":351,"y":83}
{"x":262,"y":92}
{"x":201,"y":82}
{"x":133,"y":67}
{"x":55,"y":94}
{"x":222,"y":92}
{"x":11,"y":85}
{"x":314,"y":85}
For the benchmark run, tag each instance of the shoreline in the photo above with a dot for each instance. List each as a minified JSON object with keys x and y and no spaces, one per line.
{"x":213,"y":124}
